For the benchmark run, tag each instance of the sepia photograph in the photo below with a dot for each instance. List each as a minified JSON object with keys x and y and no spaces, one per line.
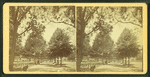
{"x":42,"y":38}
{"x":109,"y":39}
{"x":67,"y":38}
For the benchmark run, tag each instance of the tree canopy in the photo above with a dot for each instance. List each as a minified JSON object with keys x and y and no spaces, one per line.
{"x":127,"y":44}
{"x":35,"y":45}
{"x":102,"y":44}
{"x":59,"y":44}
{"x":101,"y":18}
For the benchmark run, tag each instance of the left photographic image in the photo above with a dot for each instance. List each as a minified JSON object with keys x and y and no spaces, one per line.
{"x":42,"y":39}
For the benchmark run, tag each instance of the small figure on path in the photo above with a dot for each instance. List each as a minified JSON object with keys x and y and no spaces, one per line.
{"x":25,"y":68}
{"x":105,"y":62}
{"x":38,"y":62}
{"x":92,"y":68}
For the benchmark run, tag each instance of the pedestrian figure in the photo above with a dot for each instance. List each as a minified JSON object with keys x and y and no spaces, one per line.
{"x":38,"y":62}
{"x":25,"y":68}
{"x":92,"y":68}
{"x":105,"y":62}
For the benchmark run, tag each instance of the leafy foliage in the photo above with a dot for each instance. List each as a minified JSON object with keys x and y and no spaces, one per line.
{"x":59,"y":44}
{"x":127,"y":44}
{"x":102,"y":44}
{"x":35,"y":45}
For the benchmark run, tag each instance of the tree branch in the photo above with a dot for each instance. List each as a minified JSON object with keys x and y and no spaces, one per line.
{"x":95,"y":29}
{"x":89,"y":16}
{"x":29,"y":28}
{"x":23,"y":15}
{"x":84,"y":12}
{"x":127,"y":22}
{"x":11,"y":22}
{"x":62,"y":22}
{"x":131,"y":23}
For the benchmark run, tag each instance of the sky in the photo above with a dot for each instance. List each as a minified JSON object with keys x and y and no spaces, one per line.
{"x":117,"y":30}
{"x":115,"y":34}
{"x":50,"y":29}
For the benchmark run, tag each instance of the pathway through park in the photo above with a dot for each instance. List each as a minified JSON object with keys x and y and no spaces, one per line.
{"x":49,"y":67}
{"x":118,"y":67}
{"x":70,"y":67}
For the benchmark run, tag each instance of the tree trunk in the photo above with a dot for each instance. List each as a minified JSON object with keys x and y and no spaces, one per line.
{"x":102,"y":59}
{"x":80,"y":36}
{"x":14,"y":38}
{"x":106,"y":60}
{"x":60,"y":61}
{"x":11,"y":52}
{"x":78,"y":62}
{"x":128,"y":60}
{"x":54,"y":60}
{"x":122,"y":60}
{"x":125,"y":61}
{"x":80,"y":40}
{"x":57,"y":61}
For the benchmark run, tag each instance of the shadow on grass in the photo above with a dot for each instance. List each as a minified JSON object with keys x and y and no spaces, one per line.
{"x":17,"y":69}
{"x":56,"y":65}
{"x":123,"y":66}
{"x":84,"y":69}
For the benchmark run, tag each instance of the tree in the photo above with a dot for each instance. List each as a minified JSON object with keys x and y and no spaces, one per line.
{"x":86,"y":46}
{"x":19,"y":47}
{"x":103,"y":45}
{"x":15,"y":17}
{"x":95,"y":51}
{"x":17,"y":14}
{"x":72,"y":56}
{"x":35,"y":45}
{"x":102,"y":17}
{"x":59,"y":44}
{"x":127,"y":45}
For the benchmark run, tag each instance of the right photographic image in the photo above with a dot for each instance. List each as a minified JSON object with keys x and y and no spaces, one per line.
{"x":109,"y":39}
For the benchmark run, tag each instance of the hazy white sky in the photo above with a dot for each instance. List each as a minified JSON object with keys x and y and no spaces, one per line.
{"x":117,"y":30}
{"x":50,"y":29}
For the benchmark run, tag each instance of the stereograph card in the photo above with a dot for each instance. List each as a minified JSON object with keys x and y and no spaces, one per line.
{"x":75,"y":38}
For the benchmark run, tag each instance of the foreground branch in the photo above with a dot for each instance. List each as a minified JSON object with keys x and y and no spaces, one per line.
{"x":29,"y":28}
{"x":62,"y":22}
{"x":95,"y":29}
{"x":127,"y":22}
{"x":89,"y":16}
{"x":23,"y":15}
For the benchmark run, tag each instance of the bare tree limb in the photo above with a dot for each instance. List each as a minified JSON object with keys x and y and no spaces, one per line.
{"x":127,"y":22}
{"x":23,"y":15}
{"x":62,"y":22}
{"x":29,"y":28}
{"x":95,"y":29}
{"x":89,"y":16}
{"x":15,"y":17}
{"x":84,"y":12}
{"x":131,"y":23}
{"x":11,"y":22}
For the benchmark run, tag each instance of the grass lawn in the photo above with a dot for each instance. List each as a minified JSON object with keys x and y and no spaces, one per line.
{"x":112,"y":67}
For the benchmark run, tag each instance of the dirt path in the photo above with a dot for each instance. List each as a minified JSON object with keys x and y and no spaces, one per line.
{"x":70,"y":67}
{"x":117,"y":67}
{"x":49,"y":67}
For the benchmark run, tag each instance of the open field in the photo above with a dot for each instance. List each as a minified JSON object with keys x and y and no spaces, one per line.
{"x":47,"y":66}
{"x":113,"y":67}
